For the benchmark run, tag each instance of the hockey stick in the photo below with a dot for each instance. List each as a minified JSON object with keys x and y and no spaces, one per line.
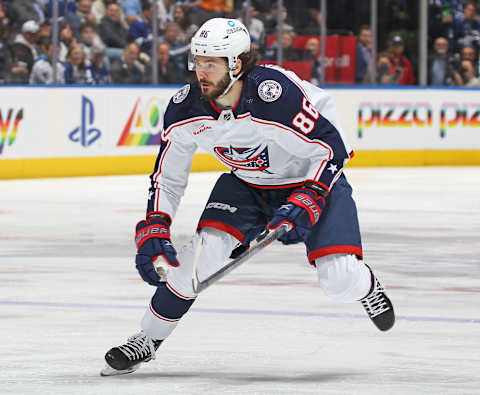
{"x":265,"y":238}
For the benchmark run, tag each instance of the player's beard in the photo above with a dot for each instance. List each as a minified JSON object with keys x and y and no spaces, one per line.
{"x":215,"y":89}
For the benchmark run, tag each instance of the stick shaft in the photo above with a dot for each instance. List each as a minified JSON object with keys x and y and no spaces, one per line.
{"x":260,"y":243}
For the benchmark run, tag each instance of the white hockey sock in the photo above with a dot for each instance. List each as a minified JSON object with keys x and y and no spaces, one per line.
{"x":343,"y":277}
{"x":156,"y":326}
{"x":217,"y":247}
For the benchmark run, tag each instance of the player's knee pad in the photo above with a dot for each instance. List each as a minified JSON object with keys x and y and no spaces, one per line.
{"x":215,"y":250}
{"x":343,"y":277}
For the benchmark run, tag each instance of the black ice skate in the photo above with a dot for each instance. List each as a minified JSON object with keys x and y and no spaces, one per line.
{"x":379,"y":307}
{"x":128,"y":357}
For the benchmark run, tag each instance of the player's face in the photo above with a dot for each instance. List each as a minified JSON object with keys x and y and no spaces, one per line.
{"x":212,"y":75}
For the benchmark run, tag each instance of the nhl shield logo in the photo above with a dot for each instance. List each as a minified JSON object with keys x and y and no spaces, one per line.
{"x":269,"y":90}
{"x":181,"y":94}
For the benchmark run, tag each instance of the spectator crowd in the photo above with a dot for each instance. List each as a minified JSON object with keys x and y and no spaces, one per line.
{"x":110,"y":41}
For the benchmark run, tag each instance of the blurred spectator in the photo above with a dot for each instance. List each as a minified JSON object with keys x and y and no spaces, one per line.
{"x":112,"y":32}
{"x":96,"y":69}
{"x":441,"y":14}
{"x":39,"y":6}
{"x":271,"y":19}
{"x":468,"y":52}
{"x":312,"y":52}
{"x":20,"y":11}
{"x":311,"y":23}
{"x":312,"y":49}
{"x":386,"y":74}
{"x":441,"y":69}
{"x":467,"y":30}
{"x":289,"y":53}
{"x":178,"y":50}
{"x":24,"y":52}
{"x":167,"y":70}
{"x":66,"y":39}
{"x":255,"y":27}
{"x":399,"y":64}
{"x":99,"y":9}
{"x":82,"y":15}
{"x":127,"y":69}
{"x":181,"y":16}
{"x":5,"y":55}
{"x":468,"y":74}
{"x":141,"y":28}
{"x":45,"y":32}
{"x":75,"y":68}
{"x":165,"y":12}
{"x":364,"y":58}
{"x":42,"y":71}
{"x":207,"y":9}
{"x":89,"y":37}
{"x":399,"y":14}
{"x":132,"y":9}
{"x":64,"y":7}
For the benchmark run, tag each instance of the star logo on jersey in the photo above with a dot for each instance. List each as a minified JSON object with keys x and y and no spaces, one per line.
{"x":251,"y":159}
{"x":332,"y":168}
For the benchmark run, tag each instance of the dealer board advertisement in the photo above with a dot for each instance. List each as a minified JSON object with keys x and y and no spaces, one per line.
{"x":422,"y":119}
{"x":90,"y":122}
{"x":77,"y":122}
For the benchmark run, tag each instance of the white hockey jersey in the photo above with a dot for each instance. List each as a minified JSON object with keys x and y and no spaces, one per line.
{"x":282,"y":132}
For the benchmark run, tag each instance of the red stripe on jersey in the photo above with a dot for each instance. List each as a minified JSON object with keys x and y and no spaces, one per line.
{"x":278,"y":125}
{"x":244,"y":115}
{"x":164,"y":153}
{"x":283,"y":186}
{"x":161,"y":317}
{"x":223,"y":227}
{"x":336,"y":178}
{"x":340,"y":249}
{"x":169,"y":286}
{"x":173,"y":126}
{"x":158,"y":172}
{"x":212,"y":103}
{"x":320,"y":170}
{"x":237,"y":103}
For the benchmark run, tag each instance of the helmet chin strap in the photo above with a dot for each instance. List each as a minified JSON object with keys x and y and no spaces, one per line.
{"x":232,"y":81}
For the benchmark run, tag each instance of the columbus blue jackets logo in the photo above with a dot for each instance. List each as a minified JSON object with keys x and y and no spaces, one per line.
{"x":253,"y":159}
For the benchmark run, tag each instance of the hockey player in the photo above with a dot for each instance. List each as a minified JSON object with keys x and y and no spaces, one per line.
{"x":281,"y":139}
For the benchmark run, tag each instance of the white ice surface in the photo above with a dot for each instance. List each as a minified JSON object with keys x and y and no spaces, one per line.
{"x":69,"y":291}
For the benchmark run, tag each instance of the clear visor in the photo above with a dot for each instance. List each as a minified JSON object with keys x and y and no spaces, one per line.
{"x":206,"y":64}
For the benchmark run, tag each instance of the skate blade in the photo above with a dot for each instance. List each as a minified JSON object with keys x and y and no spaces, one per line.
{"x":109,"y":371}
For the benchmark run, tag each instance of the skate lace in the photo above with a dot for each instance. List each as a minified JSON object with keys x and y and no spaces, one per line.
{"x":138,"y":347}
{"x":376,"y":304}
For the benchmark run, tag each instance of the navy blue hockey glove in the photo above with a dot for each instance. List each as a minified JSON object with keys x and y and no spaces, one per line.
{"x":302,"y":210}
{"x":153,"y":242}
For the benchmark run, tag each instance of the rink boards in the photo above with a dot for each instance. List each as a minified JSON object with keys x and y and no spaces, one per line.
{"x":80,"y":131}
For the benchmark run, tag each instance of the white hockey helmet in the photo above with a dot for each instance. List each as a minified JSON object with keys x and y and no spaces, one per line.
{"x":221,"y":37}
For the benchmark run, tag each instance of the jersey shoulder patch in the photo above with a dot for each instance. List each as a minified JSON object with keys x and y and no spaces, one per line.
{"x":181,"y":95}
{"x":184,"y":104}
{"x":269,"y":90}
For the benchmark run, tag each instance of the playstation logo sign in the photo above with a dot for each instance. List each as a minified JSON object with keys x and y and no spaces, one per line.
{"x":84,"y":134}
